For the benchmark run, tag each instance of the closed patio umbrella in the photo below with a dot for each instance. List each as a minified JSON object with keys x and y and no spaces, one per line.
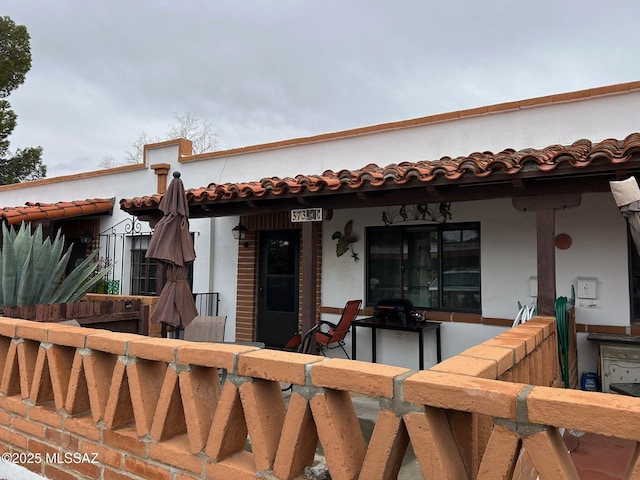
{"x":626,"y":194}
{"x":171,"y":244}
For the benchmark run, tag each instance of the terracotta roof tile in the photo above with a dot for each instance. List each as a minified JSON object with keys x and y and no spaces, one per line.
{"x":481,"y":165}
{"x":35,"y":211}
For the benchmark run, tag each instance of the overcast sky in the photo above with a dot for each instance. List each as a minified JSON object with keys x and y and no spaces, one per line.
{"x":104,"y":71}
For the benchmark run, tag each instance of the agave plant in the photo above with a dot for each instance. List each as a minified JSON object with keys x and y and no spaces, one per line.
{"x":31,"y":269}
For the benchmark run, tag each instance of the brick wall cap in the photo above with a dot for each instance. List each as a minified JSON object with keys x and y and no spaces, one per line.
{"x":365,"y":378}
{"x":33,"y":331}
{"x":462,"y":392}
{"x":71,"y":335}
{"x":518,"y":347}
{"x":548,"y":323}
{"x":111,"y":342}
{"x":528,"y":338}
{"x":280,"y":355}
{"x":504,"y":357}
{"x":220,"y":355}
{"x":537,"y":330}
{"x":8,"y":326}
{"x":160,"y":349}
{"x":276,"y":365}
{"x":474,"y":367}
{"x":608,"y":414}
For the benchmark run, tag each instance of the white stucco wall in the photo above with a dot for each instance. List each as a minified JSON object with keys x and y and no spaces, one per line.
{"x":508,"y":260}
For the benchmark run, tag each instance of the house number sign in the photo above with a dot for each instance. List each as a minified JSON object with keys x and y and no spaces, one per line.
{"x":306,"y":215}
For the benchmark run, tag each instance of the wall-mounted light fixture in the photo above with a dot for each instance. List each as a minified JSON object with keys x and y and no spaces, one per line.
{"x":240,"y":233}
{"x":86,"y":238}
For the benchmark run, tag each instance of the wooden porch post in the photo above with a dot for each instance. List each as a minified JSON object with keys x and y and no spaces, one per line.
{"x":309,"y":277}
{"x":545,"y":207}
{"x":546,"y":234}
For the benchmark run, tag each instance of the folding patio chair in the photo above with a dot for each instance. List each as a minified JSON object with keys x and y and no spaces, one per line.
{"x":206,"y":329}
{"x":334,"y":336}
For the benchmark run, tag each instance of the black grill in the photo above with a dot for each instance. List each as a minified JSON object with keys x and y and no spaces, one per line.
{"x":393,"y":309}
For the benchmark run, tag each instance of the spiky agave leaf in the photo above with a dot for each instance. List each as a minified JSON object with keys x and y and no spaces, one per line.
{"x":9,"y":268}
{"x":57,"y":266}
{"x":74,"y":280}
{"x":41,"y":270}
{"x":25,"y":293}
{"x":88,"y":285}
{"x":31,"y":268}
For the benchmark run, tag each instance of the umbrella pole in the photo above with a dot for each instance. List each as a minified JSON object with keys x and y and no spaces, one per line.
{"x":167,"y":330}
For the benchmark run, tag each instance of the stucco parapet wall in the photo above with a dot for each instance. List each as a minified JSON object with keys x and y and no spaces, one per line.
{"x":422,"y":121}
{"x":74,"y":177}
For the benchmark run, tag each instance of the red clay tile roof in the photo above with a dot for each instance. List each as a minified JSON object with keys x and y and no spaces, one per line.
{"x":34,"y":211}
{"x":480,"y":165}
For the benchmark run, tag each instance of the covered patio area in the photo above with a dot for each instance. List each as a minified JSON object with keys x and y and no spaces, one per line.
{"x":539,"y":182}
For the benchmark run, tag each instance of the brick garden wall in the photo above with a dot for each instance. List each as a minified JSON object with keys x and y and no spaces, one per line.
{"x":152,"y":408}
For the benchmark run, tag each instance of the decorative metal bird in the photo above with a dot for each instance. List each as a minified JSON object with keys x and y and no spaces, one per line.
{"x":345,"y":241}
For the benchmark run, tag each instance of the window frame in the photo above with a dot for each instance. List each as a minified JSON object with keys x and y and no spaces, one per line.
{"x":145,"y":266}
{"x":441,"y":260}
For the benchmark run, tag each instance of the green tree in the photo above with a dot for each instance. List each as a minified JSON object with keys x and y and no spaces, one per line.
{"x":15,"y":61}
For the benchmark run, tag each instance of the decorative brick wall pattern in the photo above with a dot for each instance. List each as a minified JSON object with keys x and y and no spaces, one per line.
{"x":246,"y":308}
{"x":159,"y":408}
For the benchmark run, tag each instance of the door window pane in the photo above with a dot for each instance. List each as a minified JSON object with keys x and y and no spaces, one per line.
{"x":281,"y":259}
{"x":420,"y":262}
{"x":281,"y":292}
{"x":461,"y":269}
{"x":384,"y":265}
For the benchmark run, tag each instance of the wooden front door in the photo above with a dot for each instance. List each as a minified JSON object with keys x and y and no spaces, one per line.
{"x":278,"y":286}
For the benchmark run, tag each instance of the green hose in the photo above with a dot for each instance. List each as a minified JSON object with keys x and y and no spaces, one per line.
{"x":562,"y":323}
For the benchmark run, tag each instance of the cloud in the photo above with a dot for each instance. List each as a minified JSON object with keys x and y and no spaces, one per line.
{"x":262,"y":71}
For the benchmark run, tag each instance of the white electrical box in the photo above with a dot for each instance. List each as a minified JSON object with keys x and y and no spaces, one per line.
{"x":587,"y":287}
